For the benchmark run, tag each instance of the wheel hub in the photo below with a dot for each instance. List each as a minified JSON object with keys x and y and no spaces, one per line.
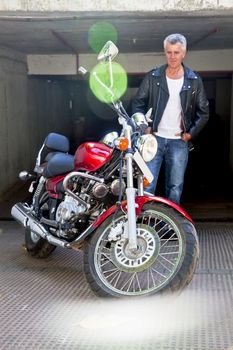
{"x":148,"y":246}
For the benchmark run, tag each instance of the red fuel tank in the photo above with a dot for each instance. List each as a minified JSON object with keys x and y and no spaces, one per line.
{"x":90,"y":156}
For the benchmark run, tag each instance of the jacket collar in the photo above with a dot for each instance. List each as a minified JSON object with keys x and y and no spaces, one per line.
{"x":188,"y":73}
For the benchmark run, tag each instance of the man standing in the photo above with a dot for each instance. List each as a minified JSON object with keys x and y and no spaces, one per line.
{"x":179,"y":112}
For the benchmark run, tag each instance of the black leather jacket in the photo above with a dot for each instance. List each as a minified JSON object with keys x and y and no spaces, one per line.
{"x":153,"y":92}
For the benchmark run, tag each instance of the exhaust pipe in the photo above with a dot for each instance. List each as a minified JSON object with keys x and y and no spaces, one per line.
{"x":21,"y":213}
{"x":18,"y":211}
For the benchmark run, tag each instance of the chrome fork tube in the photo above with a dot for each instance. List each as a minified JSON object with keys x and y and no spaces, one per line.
{"x":130,"y":195}
{"x":140,"y":185}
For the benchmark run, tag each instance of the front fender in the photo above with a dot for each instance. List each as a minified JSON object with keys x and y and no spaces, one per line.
{"x":140,"y":201}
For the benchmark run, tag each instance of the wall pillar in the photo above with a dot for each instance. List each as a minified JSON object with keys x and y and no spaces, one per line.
{"x":231,"y":128}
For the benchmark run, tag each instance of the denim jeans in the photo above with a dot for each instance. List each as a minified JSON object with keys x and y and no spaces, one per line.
{"x":174,"y":153}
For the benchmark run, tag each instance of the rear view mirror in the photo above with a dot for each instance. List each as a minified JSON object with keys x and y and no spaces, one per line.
{"x":109,"y":51}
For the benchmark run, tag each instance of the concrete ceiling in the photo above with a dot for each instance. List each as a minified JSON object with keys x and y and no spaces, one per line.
{"x":137,"y":32}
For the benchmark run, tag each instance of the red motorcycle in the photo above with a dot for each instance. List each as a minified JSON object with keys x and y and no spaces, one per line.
{"x":134,"y":243}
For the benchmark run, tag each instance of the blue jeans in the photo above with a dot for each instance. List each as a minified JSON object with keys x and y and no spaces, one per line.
{"x":175,"y":153}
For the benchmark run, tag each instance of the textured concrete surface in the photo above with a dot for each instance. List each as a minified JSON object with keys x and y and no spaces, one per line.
{"x":117,"y":5}
{"x":47,"y":304}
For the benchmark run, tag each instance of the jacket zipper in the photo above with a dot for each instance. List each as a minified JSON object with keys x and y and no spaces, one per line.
{"x":158,"y":100}
{"x":182,"y":119}
{"x":182,"y":112}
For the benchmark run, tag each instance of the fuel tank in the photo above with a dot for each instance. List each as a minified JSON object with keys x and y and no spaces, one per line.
{"x":90,"y":156}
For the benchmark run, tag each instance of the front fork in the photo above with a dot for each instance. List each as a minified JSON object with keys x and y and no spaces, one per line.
{"x":130,"y":195}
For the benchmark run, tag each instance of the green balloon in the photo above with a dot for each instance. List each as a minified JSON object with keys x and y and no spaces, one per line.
{"x":100,"y":33}
{"x":100,"y":76}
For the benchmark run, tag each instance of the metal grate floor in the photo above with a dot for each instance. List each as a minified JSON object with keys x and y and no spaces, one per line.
{"x":47,"y":304}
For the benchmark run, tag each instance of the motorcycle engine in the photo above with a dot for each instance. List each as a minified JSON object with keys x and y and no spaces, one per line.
{"x":116,"y":186}
{"x":68,"y":208}
{"x":101,"y":190}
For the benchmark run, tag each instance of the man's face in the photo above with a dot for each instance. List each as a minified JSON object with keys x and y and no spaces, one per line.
{"x":175,"y":54}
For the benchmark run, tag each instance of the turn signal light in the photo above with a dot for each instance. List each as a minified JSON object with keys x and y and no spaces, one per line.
{"x":145,"y":182}
{"x":123,"y":143}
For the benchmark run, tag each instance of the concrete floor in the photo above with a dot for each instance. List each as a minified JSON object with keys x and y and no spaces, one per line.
{"x":47,"y":304}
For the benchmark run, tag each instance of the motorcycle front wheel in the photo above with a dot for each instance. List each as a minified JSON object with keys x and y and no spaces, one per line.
{"x":165,"y":260}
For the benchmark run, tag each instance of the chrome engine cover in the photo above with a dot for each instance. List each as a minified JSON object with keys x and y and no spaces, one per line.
{"x":116,"y":185}
{"x":100,"y":190}
{"x":68,"y":208}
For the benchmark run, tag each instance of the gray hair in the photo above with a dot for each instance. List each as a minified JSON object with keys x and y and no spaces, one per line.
{"x":174,"y":39}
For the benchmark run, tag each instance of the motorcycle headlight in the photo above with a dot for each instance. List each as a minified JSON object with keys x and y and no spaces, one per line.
{"x":147,"y":146}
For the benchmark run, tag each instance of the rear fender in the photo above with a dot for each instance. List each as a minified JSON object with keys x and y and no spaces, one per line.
{"x":140,"y":201}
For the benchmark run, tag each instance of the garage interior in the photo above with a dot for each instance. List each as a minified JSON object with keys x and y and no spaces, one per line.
{"x":46,"y":303}
{"x":32,"y":105}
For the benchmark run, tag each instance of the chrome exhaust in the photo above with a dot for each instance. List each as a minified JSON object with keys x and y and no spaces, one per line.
{"x":18,"y":211}
{"x":21,"y":213}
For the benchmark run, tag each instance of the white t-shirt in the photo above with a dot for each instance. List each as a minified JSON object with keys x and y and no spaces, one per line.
{"x":170,"y":123}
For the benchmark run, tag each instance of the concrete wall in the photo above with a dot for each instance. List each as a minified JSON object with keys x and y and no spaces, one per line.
{"x":116,"y":5}
{"x":13,"y":115}
{"x":52,"y":64}
{"x":221,"y":60}
{"x":48,"y":110}
{"x":29,"y":109}
{"x":231,"y":129}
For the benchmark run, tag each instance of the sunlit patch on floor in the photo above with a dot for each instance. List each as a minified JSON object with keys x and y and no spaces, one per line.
{"x":128,"y":322}
{"x":104,"y":322}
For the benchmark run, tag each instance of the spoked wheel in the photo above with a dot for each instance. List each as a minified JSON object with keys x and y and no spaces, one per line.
{"x":37,"y":246}
{"x":165,"y":259}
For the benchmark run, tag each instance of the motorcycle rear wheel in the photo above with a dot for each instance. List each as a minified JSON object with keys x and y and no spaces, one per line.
{"x":37,"y":246}
{"x":167,"y":256}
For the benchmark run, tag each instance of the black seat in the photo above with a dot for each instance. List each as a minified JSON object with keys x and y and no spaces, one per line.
{"x":59,"y":163}
{"x":54,"y":143}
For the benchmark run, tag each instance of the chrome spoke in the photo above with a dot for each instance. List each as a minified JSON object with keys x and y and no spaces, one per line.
{"x":166,"y":232}
{"x":139,"y":286}
{"x":130,"y":281}
{"x":115,"y":277}
{"x":109,"y":273}
{"x":168,"y":253}
{"x":159,"y":273}
{"x":166,"y":260}
{"x":168,"y":240}
{"x":119,"y":275}
{"x":104,"y":257}
{"x":152,"y":277}
{"x":164,"y":266}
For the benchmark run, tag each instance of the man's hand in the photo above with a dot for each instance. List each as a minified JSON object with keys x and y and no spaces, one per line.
{"x":185,"y":136}
{"x":148,"y":130}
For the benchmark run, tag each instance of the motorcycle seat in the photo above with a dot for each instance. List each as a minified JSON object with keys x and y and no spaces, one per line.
{"x":59,"y":163}
{"x":53,"y":143}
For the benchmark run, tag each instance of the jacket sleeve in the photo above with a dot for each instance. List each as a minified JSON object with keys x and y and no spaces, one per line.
{"x":201,"y":116}
{"x":140,"y":101}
